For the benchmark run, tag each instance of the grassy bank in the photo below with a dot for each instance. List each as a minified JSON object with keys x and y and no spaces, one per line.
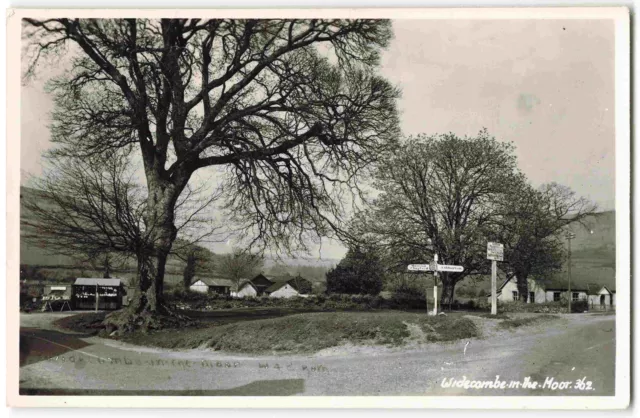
{"x":310,"y":332}
{"x":269,"y":331}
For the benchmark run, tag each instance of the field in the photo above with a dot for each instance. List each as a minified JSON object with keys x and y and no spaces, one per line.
{"x":55,"y":267}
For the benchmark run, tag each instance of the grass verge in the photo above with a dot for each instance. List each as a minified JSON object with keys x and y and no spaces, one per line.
{"x":87,"y":323}
{"x":311,"y":332}
{"x":303,"y":333}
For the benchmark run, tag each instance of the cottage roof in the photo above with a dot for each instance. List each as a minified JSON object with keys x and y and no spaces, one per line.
{"x":96,"y":282}
{"x":275,"y":279}
{"x":214,"y":281}
{"x":593,"y":288}
{"x":249,"y":283}
{"x":561,"y":284}
{"x":277,"y":285}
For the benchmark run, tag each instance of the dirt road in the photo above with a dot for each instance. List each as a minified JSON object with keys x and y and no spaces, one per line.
{"x":567,"y":350}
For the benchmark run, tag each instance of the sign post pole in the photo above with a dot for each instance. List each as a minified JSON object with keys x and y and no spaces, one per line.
{"x":435,"y":268}
{"x":495,"y":253}
{"x":435,"y":284}
{"x":494,"y":287}
{"x":426,"y":293}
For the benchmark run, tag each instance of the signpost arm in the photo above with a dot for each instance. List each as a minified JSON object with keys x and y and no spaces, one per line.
{"x":494,"y":288}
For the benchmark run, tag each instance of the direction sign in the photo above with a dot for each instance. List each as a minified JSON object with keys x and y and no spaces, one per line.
{"x":444,"y":267}
{"x":495,"y":251}
{"x":419,"y":267}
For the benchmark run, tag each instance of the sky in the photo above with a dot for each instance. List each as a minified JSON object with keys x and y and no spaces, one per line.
{"x":545,"y":85}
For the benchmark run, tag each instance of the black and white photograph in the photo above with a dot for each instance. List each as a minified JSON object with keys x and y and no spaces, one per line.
{"x":427,"y":205}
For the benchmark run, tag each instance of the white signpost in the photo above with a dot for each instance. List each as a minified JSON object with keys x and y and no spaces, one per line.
{"x":495,"y":252}
{"x":435,"y":268}
{"x":418,"y":267}
{"x":456,"y":269}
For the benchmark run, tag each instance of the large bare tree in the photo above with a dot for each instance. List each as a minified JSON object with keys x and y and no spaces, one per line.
{"x":289,"y":110}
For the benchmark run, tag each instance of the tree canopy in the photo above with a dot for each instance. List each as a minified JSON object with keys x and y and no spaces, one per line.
{"x":532,"y":223}
{"x":287,"y":120}
{"x":438,"y":194}
{"x":359,"y":272}
{"x":289,"y":112}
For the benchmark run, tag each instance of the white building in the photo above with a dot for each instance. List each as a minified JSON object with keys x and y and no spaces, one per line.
{"x":211,"y":284}
{"x":508,"y":291}
{"x":539,"y":292}
{"x":281,"y":290}
{"x":601,"y":297}
{"x":247,"y":289}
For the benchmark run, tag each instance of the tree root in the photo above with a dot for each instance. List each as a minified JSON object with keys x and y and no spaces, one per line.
{"x":130,"y":320}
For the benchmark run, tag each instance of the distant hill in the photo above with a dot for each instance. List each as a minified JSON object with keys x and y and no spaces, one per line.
{"x":593,"y":257}
{"x":56,"y":267}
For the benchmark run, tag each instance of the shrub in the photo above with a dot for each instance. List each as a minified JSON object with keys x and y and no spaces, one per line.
{"x":401,"y":300}
{"x":377,"y":302}
{"x":360,"y":272}
{"x":335,"y":297}
{"x":414,"y":289}
{"x":548,"y":307}
{"x":579,"y":306}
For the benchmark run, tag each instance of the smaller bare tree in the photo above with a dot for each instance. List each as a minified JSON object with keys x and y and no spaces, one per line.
{"x":240,"y":264}
{"x":94,"y":206}
{"x":531,"y":226}
{"x":197,"y":259}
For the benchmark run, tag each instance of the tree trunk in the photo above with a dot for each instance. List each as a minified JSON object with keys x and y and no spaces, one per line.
{"x":189,"y":272}
{"x":448,"y":290}
{"x":147,"y":309}
{"x":523,"y":285}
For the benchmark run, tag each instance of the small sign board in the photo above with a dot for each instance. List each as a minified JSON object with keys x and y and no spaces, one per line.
{"x":419,"y":267}
{"x":495,"y":251}
{"x":445,"y":267}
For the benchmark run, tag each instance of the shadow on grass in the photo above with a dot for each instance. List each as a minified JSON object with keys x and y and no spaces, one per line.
{"x":39,"y":344}
{"x":284,"y":387}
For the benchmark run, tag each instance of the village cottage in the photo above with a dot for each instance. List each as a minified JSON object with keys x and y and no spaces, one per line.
{"x":217,"y":285}
{"x":281,"y":287}
{"x":601,"y":297}
{"x":540,"y":292}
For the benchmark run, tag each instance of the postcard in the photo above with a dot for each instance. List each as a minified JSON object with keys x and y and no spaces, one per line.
{"x":319,"y":208}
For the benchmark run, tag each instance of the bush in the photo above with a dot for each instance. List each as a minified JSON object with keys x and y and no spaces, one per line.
{"x":377,"y":302}
{"x":414,"y":289}
{"x":401,"y":300}
{"x":579,"y":306}
{"x":548,"y":307}
{"x":360,"y":272}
